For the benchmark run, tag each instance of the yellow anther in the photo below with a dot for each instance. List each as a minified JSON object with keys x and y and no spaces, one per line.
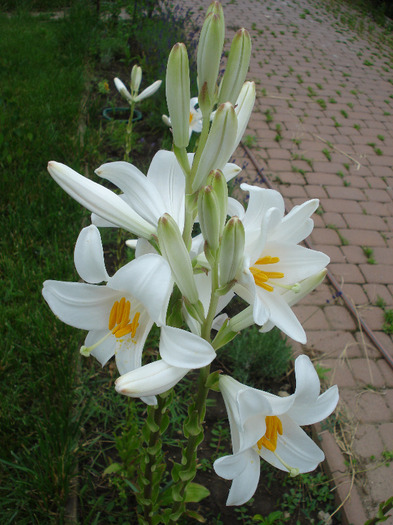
{"x":191,"y":117}
{"x":119,"y":319}
{"x":261,"y":276}
{"x":273,"y":427}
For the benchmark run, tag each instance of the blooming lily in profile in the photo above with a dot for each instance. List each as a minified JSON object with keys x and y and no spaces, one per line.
{"x":267,"y":426}
{"x":195,"y":117}
{"x":273,"y":261}
{"x":136,"y":77}
{"x":118,"y":315}
{"x":180,"y":352}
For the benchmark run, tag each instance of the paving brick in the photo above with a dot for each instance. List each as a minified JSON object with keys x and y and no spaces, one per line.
{"x":323,"y":236}
{"x":367,"y":347}
{"x":356,"y":294}
{"x":366,"y":406}
{"x":338,"y":372}
{"x":386,"y":433}
{"x":315,"y":192}
{"x":363,"y":238}
{"x":339,"y":318}
{"x":366,"y":372}
{"x":377,"y":195}
{"x":338,"y":192}
{"x":367,"y":441}
{"x":334,"y":252}
{"x":377,"y":273}
{"x":373,"y":316}
{"x":364,"y":222}
{"x":348,"y":273}
{"x":311,"y":317}
{"x":335,"y":219}
{"x":354,"y":254}
{"x":339,"y":205}
{"x":380,"y":489}
{"x":332,"y":343}
{"x":387,"y":372}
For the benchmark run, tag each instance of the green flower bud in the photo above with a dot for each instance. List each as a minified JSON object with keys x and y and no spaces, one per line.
{"x":219,"y":145}
{"x":136,"y":78}
{"x":242,"y":320}
{"x":237,"y":67}
{"x":175,"y":252}
{"x":209,"y":217}
{"x":209,"y":52}
{"x":178,"y":94}
{"x":232,"y":250}
{"x":217,"y":181}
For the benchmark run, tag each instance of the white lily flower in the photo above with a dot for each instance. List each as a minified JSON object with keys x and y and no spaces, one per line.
{"x":180,"y":352}
{"x":268,"y":426}
{"x":118,"y":315}
{"x":273,"y":261}
{"x":195,"y":117}
{"x":134,"y":97}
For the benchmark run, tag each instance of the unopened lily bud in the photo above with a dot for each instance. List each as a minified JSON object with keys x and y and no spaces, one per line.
{"x":136,"y":78}
{"x":219,"y":145}
{"x":178,"y":94}
{"x":237,"y":67}
{"x":243,"y":108}
{"x":209,"y":217}
{"x":232,"y":250}
{"x":175,"y":252}
{"x":242,"y":320}
{"x":209,"y":53}
{"x":217,"y":181}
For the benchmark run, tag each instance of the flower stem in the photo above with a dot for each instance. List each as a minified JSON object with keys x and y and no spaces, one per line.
{"x":129,"y":133}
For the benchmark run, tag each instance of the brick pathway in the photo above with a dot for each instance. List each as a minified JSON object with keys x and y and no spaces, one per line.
{"x":323,"y":128}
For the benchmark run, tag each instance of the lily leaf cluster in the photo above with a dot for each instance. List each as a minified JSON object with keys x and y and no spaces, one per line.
{"x":181,"y":280}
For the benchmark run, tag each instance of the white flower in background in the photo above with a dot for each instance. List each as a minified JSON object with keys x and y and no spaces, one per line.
{"x":195,"y":117}
{"x":118,"y":315}
{"x":274,"y":262}
{"x":180,"y":352}
{"x":267,"y":426}
{"x":136,"y":78}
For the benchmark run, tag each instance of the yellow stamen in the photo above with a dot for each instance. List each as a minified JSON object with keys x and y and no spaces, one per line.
{"x":191,"y":117}
{"x":119,"y":319}
{"x":261,"y":277}
{"x":273,"y":427}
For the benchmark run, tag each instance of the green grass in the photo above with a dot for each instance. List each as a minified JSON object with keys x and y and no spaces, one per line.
{"x":42,"y":86}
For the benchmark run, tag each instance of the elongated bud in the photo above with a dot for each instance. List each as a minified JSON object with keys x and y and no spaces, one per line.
{"x":209,"y":216}
{"x":149,"y":380}
{"x":242,"y":320}
{"x":178,"y":94}
{"x":136,"y":78}
{"x":175,"y":252}
{"x":244,"y":106}
{"x":209,"y":53}
{"x":217,"y":181}
{"x":237,"y":67}
{"x":219,"y":145}
{"x":232,"y":250}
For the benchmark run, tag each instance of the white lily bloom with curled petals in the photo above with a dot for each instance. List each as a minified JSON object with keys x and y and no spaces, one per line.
{"x":267,"y":426}
{"x":180,"y":352}
{"x":118,"y":315}
{"x":273,"y":261}
{"x":195,"y":117}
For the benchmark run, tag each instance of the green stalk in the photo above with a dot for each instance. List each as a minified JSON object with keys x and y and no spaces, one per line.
{"x":193,"y":428}
{"x":201,"y":146}
{"x":129,"y":133}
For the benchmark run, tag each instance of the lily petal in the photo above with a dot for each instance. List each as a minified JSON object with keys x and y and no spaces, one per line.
{"x":183,"y":349}
{"x":99,"y":200}
{"x":89,"y":256}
